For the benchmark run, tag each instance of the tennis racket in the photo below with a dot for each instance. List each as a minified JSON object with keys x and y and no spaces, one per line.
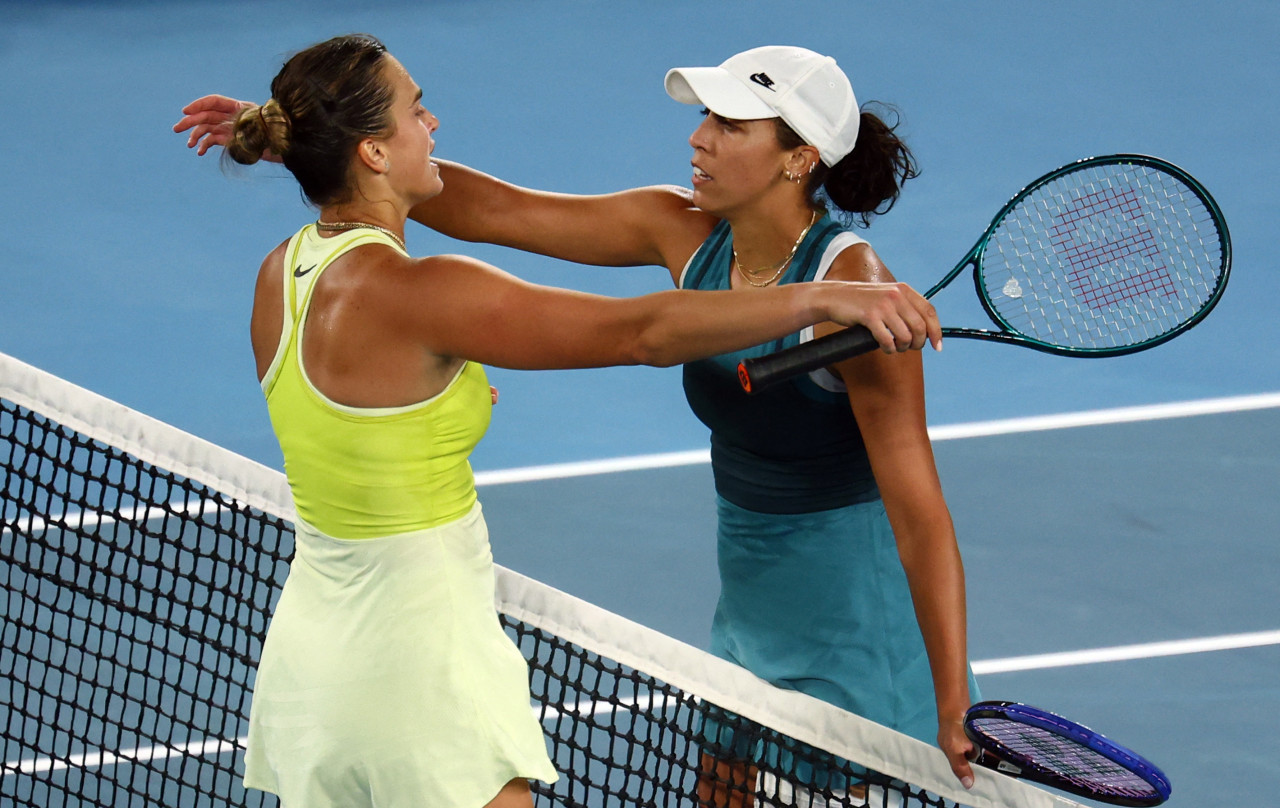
{"x":1024,"y":742}
{"x":1105,"y":256}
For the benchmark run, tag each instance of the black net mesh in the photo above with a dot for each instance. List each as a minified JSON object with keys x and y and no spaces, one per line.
{"x":135,"y":605}
{"x":628,"y":739}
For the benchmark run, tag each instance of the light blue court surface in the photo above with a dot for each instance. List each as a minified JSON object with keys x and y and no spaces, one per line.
{"x":127,"y":268}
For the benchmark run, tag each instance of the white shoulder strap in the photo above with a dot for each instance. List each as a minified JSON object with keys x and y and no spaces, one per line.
{"x":839,"y":243}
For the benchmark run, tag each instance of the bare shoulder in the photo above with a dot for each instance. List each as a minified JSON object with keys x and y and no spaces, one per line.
{"x":272,"y":264}
{"x":678,"y":226}
{"x":859,"y":262}
{"x":675,"y":197}
{"x":449,"y":264}
{"x":268,"y":308}
{"x":271,"y":279}
{"x":676,"y":202}
{"x":430,"y":280}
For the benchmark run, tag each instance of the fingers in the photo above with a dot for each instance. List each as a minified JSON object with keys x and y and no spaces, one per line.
{"x":205,"y":134}
{"x":207,"y":139}
{"x":902,"y":334}
{"x":209,"y":119}
{"x":905,"y":322}
{"x":923,"y":320}
{"x":961,"y":769}
{"x":884,"y":335}
{"x":214,"y":103}
{"x":958,"y":748}
{"x":199,"y":132}
{"x":913,"y":334}
{"x":933,"y":326}
{"x":216,"y":137}
{"x":199,"y":119}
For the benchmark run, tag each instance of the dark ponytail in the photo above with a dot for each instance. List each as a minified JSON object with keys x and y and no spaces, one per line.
{"x":868,"y":180}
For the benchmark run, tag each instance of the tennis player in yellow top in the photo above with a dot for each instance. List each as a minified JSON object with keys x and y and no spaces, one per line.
{"x":386,"y":678}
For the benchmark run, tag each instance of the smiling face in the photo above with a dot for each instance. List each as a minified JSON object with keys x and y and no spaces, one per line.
{"x":735,"y":162}
{"x":409,"y":145}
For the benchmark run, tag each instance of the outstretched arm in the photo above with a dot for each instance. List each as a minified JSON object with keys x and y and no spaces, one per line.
{"x":655,"y":225}
{"x":457,"y":306}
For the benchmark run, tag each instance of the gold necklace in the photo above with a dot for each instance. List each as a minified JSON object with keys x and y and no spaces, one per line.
{"x":750,"y":275}
{"x":357,"y":225}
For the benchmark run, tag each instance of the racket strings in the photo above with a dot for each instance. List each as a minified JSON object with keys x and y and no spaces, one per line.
{"x":1063,"y":757}
{"x":1105,"y":256}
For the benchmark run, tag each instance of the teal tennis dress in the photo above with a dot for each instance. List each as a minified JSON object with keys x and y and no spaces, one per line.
{"x":813,"y":595}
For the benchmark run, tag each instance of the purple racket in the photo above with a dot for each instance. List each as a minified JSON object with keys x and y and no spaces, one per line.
{"x":1022,"y":741}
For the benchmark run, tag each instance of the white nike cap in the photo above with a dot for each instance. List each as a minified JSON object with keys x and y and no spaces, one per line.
{"x":807,"y":90}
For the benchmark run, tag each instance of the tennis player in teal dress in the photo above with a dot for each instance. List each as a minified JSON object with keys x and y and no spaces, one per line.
{"x":813,"y":595}
{"x":839,"y":564}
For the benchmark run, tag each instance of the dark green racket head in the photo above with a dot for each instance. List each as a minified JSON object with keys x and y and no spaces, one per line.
{"x":1106,"y":256}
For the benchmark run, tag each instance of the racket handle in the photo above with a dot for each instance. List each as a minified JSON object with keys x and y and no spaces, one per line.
{"x":760,"y":372}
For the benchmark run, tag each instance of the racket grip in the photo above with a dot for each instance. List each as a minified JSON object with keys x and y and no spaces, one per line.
{"x":760,"y":372}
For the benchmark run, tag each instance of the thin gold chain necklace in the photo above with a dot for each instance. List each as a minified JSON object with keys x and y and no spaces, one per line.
{"x":357,"y":225}
{"x":750,"y":275}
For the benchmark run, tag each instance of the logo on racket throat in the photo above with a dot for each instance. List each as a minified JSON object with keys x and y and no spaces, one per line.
{"x":764,"y":81}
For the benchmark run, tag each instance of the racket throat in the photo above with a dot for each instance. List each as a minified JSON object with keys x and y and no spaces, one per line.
{"x":993,"y":761}
{"x":1008,"y":768}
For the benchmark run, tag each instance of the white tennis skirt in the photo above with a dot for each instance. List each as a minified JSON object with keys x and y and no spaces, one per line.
{"x":386,"y":679}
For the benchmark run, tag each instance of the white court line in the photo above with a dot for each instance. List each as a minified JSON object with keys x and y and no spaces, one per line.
{"x":93,"y":760}
{"x":1117,"y":415}
{"x":594,"y":707}
{"x":658,"y":701}
{"x":79,"y":520}
{"x":1035,"y":423}
{"x":1120,"y":653}
{"x":583,"y":468}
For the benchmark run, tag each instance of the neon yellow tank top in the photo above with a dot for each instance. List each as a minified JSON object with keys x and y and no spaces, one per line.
{"x":359,"y":473}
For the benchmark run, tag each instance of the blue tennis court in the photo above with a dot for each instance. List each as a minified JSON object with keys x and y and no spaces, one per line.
{"x":129,"y":263}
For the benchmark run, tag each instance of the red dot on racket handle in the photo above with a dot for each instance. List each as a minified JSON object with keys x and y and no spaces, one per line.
{"x":744,"y":377}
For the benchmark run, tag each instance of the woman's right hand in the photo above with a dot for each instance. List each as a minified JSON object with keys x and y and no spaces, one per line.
{"x":899,"y":317}
{"x":209,"y":118}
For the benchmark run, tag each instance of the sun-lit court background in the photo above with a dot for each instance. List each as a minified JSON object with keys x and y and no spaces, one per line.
{"x":127,"y":267}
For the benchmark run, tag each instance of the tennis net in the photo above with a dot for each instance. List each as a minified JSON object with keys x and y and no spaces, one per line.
{"x":140,"y":565}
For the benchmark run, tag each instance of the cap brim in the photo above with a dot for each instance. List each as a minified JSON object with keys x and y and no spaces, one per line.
{"x":716,"y":89}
